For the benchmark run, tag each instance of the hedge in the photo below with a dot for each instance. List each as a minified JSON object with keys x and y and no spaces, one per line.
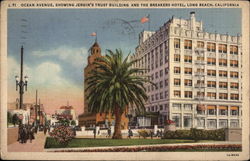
{"x":196,"y":134}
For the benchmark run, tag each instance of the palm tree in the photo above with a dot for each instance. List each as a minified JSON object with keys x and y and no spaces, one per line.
{"x":114,"y":87}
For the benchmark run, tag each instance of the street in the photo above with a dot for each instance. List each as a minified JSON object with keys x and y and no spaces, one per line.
{"x":37,"y":144}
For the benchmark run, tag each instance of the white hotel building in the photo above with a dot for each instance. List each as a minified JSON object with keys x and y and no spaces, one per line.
{"x":197,"y":74}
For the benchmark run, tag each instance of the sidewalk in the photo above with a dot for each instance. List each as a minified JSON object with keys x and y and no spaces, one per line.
{"x":37,"y":144}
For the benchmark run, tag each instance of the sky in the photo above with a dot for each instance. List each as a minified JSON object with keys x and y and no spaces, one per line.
{"x":56,"y":43}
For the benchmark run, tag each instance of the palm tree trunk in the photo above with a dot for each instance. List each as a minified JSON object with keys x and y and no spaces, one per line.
{"x":118,"y":115}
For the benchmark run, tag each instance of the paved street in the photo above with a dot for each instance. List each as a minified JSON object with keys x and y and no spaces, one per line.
{"x":37,"y":145}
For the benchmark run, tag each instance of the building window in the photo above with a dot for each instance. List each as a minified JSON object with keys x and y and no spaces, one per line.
{"x":176,"y":106}
{"x":222,"y":73}
{"x":166,"y":94}
{"x":234,"y":110}
{"x":234,"y":96}
{"x":200,"y":94}
{"x":211,"y":84}
{"x":211,"y":95}
{"x":211,"y":61}
{"x":211,"y":47}
{"x":234,"y":123}
{"x":156,"y":75}
{"x":152,"y":98}
{"x":211,"y":109}
{"x":161,"y":95}
{"x":188,"y":107}
{"x":222,"y":123}
{"x":166,"y":82}
{"x":177,"y":57}
{"x":223,"y":96}
{"x":188,"y":44}
{"x":161,"y":73}
{"x":161,"y":84}
{"x":177,"y":70}
{"x":188,"y":59}
{"x":177,"y":93}
{"x":188,"y":94}
{"x":234,"y":74}
{"x":156,"y":85}
{"x":177,"y":119}
{"x":222,"y":48}
{"x":211,"y":73}
{"x":211,"y":124}
{"x":234,"y":85}
{"x":156,"y":96}
{"x":200,"y":44}
{"x":222,"y":62}
{"x":233,"y":63}
{"x":223,"y":85}
{"x":187,"y":120}
{"x":177,"y":43}
{"x":177,"y":82}
{"x":188,"y":82}
{"x":200,"y":122}
{"x":200,"y":58}
{"x":166,"y":71}
{"x":233,"y":49}
{"x":188,"y":70}
{"x":223,"y":110}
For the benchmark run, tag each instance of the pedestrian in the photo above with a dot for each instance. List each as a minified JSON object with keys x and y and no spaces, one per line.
{"x":31,"y":134}
{"x":151,"y":134}
{"x":130,"y":133}
{"x":94,"y":131}
{"x":158,"y":133}
{"x":45,"y":130}
{"x":109,"y":132}
{"x":19,"y":133}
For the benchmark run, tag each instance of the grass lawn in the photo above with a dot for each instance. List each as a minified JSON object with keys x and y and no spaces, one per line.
{"x":100,"y":142}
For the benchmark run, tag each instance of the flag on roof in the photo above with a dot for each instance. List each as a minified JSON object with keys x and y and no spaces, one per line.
{"x":93,"y":34}
{"x":144,"y":19}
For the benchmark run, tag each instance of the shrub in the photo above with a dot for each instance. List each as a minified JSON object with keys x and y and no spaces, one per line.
{"x":196,"y":134}
{"x":62,"y":134}
{"x":144,"y":133}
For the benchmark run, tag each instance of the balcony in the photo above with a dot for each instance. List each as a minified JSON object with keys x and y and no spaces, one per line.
{"x":199,"y":97}
{"x":199,"y":73}
{"x":188,"y":52}
{"x":199,"y":51}
{"x":200,"y":62}
{"x":198,"y":85}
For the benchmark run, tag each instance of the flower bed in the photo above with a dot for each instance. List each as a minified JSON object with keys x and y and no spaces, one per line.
{"x":225,"y":147}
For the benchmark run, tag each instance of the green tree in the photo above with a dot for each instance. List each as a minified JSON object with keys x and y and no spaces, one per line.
{"x":113,"y":86}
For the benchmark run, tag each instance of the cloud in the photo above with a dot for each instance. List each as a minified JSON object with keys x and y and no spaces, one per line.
{"x":74,"y":56}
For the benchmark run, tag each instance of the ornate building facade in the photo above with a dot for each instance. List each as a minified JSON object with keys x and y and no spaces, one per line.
{"x":197,"y":74}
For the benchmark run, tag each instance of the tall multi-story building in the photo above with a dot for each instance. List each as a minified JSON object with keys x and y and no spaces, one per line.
{"x":92,"y":119}
{"x":197,"y":74}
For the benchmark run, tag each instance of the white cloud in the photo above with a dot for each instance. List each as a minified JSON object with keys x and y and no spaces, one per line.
{"x":75,"y":56}
{"x":47,"y":74}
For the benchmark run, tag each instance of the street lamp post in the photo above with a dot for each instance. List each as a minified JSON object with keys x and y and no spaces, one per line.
{"x":21,"y":83}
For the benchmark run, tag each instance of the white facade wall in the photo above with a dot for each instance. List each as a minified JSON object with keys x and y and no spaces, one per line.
{"x":159,"y":50}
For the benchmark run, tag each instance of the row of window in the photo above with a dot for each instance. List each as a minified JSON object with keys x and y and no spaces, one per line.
{"x":159,"y":96}
{"x":211,"y":47}
{"x":188,"y":82}
{"x":210,"y":61}
{"x":211,"y":123}
{"x":223,"y":96}
{"x":177,"y":70}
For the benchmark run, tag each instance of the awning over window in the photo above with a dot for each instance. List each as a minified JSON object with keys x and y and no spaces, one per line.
{"x":211,"y":107}
{"x":223,"y":107}
{"x":234,"y":107}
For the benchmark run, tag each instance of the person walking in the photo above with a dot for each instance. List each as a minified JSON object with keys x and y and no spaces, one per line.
{"x":130,"y":133}
{"x":31,"y":134}
{"x":94,"y":131}
{"x":45,"y":130}
{"x":109,"y":132}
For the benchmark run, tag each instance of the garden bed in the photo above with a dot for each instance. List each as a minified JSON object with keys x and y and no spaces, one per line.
{"x":174,"y":148}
